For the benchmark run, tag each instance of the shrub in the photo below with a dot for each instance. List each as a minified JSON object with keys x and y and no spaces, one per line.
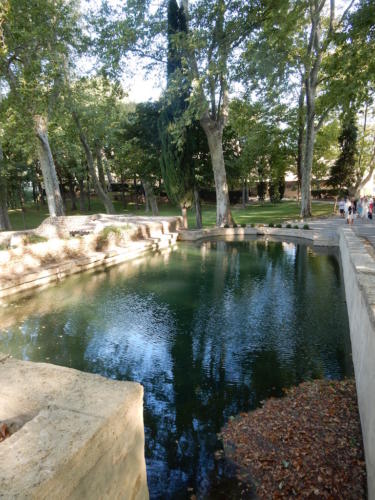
{"x":279,"y":225}
{"x":243,"y":225}
{"x":289,"y":226}
{"x":30,"y":239}
{"x":235,"y":225}
{"x":252,"y":224}
{"x":226,"y":226}
{"x":296,"y":227}
{"x":306,"y":226}
{"x":106,"y":233}
{"x":271,"y":224}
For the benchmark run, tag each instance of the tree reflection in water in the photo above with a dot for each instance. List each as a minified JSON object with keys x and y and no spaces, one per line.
{"x":209,"y":330}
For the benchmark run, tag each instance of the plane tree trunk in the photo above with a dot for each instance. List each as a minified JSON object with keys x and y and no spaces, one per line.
{"x":150,"y":196}
{"x":5,"y":224}
{"x":214,"y":134}
{"x":104,"y":198}
{"x":47,"y":165}
{"x":198,"y":208}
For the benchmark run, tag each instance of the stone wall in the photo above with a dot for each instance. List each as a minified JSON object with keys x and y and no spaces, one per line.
{"x":26,"y":266}
{"x":75,"y":435}
{"x":359,"y":276}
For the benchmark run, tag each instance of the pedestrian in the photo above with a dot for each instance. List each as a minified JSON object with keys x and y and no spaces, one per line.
{"x":342,"y":208}
{"x":359,"y":208}
{"x":347,"y":206}
{"x":370,"y":208}
{"x":350,"y":213}
{"x":364,"y":208}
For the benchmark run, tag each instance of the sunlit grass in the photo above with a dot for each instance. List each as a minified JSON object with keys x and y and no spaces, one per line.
{"x":256,"y":213}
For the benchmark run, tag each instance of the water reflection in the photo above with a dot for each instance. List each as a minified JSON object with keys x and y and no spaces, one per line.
{"x":209,"y":330}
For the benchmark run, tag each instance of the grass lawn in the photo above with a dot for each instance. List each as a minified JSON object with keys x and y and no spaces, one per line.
{"x":256,"y":213}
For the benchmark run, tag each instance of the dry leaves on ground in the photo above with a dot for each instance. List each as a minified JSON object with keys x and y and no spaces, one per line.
{"x":4,"y":432}
{"x":307,"y":444}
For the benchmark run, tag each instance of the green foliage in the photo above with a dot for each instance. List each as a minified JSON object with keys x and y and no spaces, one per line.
{"x":279,"y":225}
{"x":276,"y":190}
{"x":306,"y":226}
{"x":177,"y":163}
{"x":296,"y":227}
{"x":271,"y":224}
{"x":343,"y":170}
{"x":288,"y":226}
{"x":31,"y":239}
{"x":105,"y":235}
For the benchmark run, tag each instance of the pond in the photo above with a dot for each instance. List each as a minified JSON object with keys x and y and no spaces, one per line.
{"x":210,"y":330}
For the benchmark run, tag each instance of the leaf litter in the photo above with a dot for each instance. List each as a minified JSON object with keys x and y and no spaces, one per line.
{"x":307,"y":444}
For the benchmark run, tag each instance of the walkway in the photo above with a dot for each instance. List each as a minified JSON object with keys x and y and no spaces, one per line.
{"x":330,"y":227}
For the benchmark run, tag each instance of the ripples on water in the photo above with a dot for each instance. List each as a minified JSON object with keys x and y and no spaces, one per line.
{"x":209,"y":330}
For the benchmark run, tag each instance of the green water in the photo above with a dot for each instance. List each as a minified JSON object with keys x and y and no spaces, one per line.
{"x":209,"y":329}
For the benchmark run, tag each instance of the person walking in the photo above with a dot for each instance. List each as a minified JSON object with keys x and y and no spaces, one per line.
{"x":342,"y":208}
{"x":347,"y":205}
{"x":359,"y":208}
{"x":364,"y":209}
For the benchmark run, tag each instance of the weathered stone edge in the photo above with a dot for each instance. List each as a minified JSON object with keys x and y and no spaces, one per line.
{"x":70,"y":267}
{"x":316,"y":237}
{"x":363,"y":266}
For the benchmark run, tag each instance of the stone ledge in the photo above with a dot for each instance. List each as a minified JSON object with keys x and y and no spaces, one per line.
{"x":152,"y":234}
{"x":359,"y":277}
{"x":318,"y":238}
{"x":80,"y":435}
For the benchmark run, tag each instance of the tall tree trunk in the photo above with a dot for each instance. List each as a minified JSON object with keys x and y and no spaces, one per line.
{"x":185,"y":223}
{"x":22,"y":203}
{"x":198,"y":208}
{"x":147,"y":202}
{"x":51,"y":184}
{"x":135,"y":192}
{"x":4,"y":217}
{"x":214,"y":134}
{"x":109,"y":177}
{"x":151,"y":196}
{"x":301,"y":134}
{"x":99,"y":163}
{"x":244,"y":200}
{"x":311,"y":83}
{"x":123,"y":191}
{"x":81,"y":194}
{"x":104,"y":198}
{"x":72,"y":193}
{"x":307,"y":163}
{"x":88,"y":191}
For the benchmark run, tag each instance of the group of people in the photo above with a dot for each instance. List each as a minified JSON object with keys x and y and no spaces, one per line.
{"x":362,"y":209}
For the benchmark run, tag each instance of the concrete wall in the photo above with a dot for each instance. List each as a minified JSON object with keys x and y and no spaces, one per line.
{"x":75,"y":435}
{"x":359,"y":275}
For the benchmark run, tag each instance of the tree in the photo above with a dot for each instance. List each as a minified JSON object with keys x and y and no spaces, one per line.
{"x":4,"y":218}
{"x":343,"y":170}
{"x":177,"y":165}
{"x":34,"y":38}
{"x":91,"y":103}
{"x":317,"y":48}
{"x":141,"y":147}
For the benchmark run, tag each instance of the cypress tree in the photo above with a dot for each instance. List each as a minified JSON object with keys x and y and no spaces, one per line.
{"x":343,"y":170}
{"x":177,"y":163}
